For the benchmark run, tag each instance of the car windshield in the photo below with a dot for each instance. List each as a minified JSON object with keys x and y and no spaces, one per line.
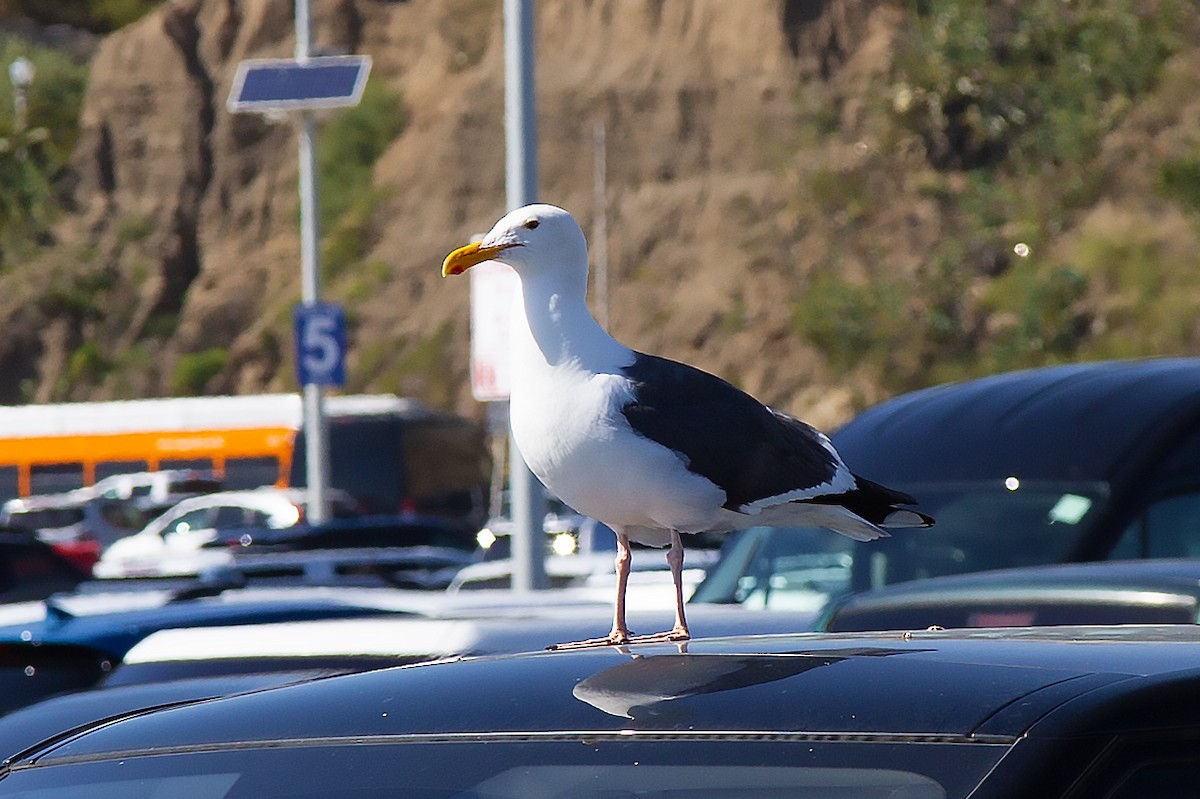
{"x":575,"y":766}
{"x":980,"y":526}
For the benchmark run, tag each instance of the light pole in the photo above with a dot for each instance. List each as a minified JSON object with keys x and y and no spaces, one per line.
{"x":21,"y":73}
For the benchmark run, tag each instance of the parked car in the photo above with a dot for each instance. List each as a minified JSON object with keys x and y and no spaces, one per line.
{"x":173,"y":542}
{"x":425,"y":568}
{"x":1044,"y":712}
{"x":355,"y":531}
{"x":567,"y":533}
{"x":31,"y":569}
{"x":580,"y":551}
{"x":161,"y":488}
{"x":649,"y":574}
{"x":1086,"y":462}
{"x":78,"y":527}
{"x":1116,"y":592}
{"x":85,"y":521}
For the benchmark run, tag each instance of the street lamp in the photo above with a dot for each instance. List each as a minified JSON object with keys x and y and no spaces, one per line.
{"x":21,"y":73}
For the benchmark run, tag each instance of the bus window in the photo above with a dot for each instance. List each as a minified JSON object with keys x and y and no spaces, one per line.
{"x":10,"y":483}
{"x":251,"y":472}
{"x":54,"y":478}
{"x":110,"y":468}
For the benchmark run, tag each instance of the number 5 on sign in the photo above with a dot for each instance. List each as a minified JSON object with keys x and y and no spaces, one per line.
{"x":321,"y":344}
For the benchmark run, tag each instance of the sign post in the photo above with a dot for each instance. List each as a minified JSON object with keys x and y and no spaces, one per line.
{"x":305,"y":84}
{"x":520,"y":138}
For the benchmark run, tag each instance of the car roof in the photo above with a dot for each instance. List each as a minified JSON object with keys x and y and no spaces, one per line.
{"x":1174,"y":575}
{"x":1109,"y":591}
{"x":1080,"y":421}
{"x":31,"y":723}
{"x":449,"y":631}
{"x":980,"y":686}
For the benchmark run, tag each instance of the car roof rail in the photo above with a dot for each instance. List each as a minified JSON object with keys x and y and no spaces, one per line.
{"x":211,"y":581}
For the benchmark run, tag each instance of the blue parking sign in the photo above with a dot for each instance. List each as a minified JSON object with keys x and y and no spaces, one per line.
{"x":321,"y":344}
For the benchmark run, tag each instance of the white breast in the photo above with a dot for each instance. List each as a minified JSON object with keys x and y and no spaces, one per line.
{"x":573,"y":436}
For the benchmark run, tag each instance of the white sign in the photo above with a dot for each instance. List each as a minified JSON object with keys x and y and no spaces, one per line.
{"x":493,"y":287}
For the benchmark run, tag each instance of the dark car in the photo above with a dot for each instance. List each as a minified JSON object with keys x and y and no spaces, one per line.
{"x":355,"y":531}
{"x":405,"y":551}
{"x":1041,"y":712}
{"x":30,"y":569}
{"x":33,"y":715}
{"x":1093,"y":461}
{"x":31,"y":671}
{"x":1123,"y":592}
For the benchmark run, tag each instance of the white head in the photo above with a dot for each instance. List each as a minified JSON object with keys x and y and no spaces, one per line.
{"x":536,"y":240}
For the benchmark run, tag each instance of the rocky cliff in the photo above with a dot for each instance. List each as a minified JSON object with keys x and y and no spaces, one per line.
{"x":180,"y":247}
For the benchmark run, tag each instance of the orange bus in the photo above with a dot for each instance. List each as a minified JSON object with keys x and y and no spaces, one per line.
{"x":247,"y":440}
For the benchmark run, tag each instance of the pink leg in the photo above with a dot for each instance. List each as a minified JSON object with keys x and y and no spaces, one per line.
{"x":680,"y":631}
{"x":675,"y":561}
{"x":620,"y":631}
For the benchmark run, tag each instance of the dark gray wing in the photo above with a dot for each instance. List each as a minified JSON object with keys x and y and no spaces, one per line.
{"x":724,"y":434}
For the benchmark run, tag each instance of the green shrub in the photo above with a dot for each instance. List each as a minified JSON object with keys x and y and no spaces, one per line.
{"x":349,"y":145}
{"x":193,"y":371}
{"x":87,"y":364}
{"x":1180,"y":180}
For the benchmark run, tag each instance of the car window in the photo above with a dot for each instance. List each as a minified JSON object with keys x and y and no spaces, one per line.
{"x":227,"y":516}
{"x":785,"y":568}
{"x":258,"y":518}
{"x":1168,"y":528}
{"x":122,"y":515}
{"x":192,"y":520}
{"x":1161,"y":781}
{"x":983,"y":526}
{"x":980,"y":526}
{"x":711,"y":769}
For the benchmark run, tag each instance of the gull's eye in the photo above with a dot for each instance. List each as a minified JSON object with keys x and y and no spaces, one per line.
{"x":532,"y":224}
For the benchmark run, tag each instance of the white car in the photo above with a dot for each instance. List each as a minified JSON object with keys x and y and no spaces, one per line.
{"x":174,"y":543}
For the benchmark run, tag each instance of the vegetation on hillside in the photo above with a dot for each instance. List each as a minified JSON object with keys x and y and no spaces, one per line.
{"x":1004,"y":117}
{"x":1008,"y":105}
{"x":98,"y":16}
{"x":34,"y":151}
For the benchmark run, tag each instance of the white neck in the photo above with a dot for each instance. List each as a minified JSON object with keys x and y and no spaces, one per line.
{"x":553,"y":327}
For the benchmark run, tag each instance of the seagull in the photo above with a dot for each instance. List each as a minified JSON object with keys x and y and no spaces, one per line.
{"x":654,"y":448}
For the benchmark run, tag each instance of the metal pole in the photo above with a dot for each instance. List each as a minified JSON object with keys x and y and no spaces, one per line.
{"x":520,"y":137}
{"x":316,"y":433}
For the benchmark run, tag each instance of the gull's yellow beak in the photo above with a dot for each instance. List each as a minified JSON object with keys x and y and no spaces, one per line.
{"x":464,"y":258}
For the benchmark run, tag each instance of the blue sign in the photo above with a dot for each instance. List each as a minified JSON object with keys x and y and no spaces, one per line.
{"x":321,"y":344}
{"x":281,"y":84}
